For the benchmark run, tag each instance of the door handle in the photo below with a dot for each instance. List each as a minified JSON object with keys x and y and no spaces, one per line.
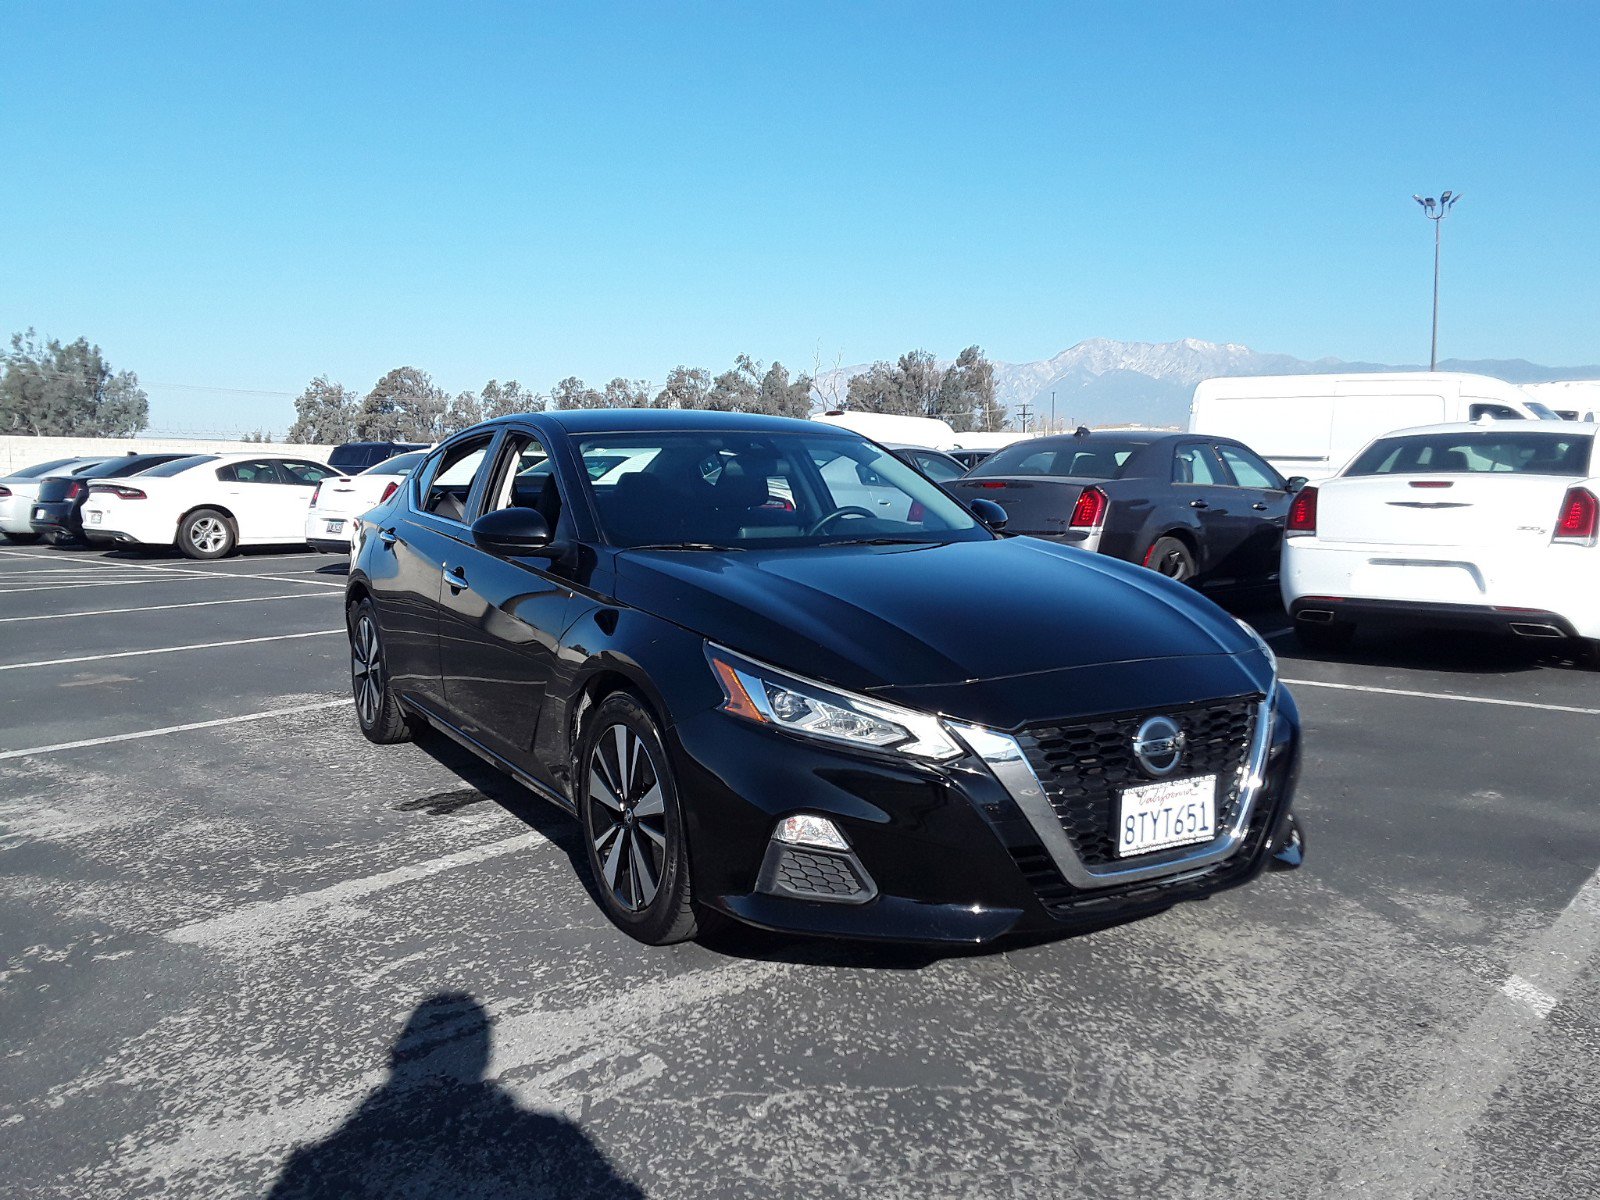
{"x":1198,"y":504}
{"x":386,"y":538}
{"x":456,"y":577}
{"x":1259,"y":507}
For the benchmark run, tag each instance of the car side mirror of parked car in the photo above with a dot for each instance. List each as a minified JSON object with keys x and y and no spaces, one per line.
{"x":990,"y":513}
{"x":511,"y":531}
{"x":1295,"y":484}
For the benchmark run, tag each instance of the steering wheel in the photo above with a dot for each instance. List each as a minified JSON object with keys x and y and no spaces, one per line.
{"x":849,"y":510}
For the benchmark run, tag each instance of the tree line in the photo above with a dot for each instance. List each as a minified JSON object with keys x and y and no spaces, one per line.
{"x":52,"y":389}
{"x":48,"y":389}
{"x":407,"y":406}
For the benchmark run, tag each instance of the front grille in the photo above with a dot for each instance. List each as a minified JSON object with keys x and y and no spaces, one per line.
{"x":1084,"y":765}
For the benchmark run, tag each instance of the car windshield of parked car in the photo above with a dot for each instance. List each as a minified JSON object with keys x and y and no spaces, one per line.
{"x":744,"y":490}
{"x":1497,"y":452}
{"x":177,"y":466}
{"x":1071,"y":458}
{"x":400,"y":464}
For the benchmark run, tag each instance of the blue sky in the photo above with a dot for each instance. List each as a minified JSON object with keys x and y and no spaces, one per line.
{"x":233,"y":196}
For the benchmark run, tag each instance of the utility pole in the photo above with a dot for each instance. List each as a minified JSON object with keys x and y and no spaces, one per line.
{"x":1436,"y":211}
{"x":1024,"y":411}
{"x":1052,"y":412}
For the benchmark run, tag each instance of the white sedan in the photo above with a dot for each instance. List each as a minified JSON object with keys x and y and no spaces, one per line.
{"x":207,"y":504}
{"x":339,"y":500}
{"x":1489,"y":526}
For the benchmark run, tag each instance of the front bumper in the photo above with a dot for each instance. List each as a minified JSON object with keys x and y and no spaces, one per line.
{"x":949,"y":852}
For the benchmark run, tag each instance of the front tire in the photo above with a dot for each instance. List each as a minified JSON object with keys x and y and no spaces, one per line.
{"x":378,"y":710}
{"x":1171,"y":557}
{"x":206,"y":534}
{"x":633,"y":824}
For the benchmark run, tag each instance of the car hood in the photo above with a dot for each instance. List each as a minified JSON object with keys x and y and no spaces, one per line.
{"x":892,"y":618}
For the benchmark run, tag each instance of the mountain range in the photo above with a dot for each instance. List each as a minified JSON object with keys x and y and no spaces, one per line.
{"x":1102,"y":381}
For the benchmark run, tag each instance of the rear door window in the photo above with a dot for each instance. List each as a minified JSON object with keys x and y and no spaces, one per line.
{"x":1197,"y":463}
{"x":261,"y":470}
{"x":299,"y":471}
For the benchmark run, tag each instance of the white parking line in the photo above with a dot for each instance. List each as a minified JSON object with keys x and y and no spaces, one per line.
{"x":162,"y":732}
{"x":62,"y":662}
{"x":113,"y":612}
{"x":184,"y":572}
{"x":1384,"y":691}
{"x":1424,"y":1149}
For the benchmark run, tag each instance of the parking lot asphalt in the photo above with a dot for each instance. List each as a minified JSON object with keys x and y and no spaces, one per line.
{"x":245,"y":952}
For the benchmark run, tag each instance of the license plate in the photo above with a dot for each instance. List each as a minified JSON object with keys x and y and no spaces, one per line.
{"x":94,"y":518}
{"x":335,"y":526}
{"x":1174,"y":812}
{"x":38,"y":514}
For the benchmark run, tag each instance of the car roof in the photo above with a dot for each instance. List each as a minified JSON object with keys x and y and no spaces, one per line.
{"x":1588,"y":427}
{"x":1139,"y":437}
{"x":579,"y":421}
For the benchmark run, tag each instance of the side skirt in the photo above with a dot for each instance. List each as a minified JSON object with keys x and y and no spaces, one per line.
{"x":543,"y":790}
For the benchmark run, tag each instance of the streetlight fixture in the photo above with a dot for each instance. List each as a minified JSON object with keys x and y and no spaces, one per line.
{"x":1436,"y":211}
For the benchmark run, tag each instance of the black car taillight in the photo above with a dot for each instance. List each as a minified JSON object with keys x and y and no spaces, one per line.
{"x":1090,"y":510}
{"x":1579,"y":517}
{"x":1303,"y":512}
{"x":74,"y":490}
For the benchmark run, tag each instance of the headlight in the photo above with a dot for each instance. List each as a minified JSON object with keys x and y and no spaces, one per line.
{"x":765,"y":695}
{"x":1261,"y":644}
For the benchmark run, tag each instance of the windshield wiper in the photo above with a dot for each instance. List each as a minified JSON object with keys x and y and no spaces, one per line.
{"x":684,"y":546}
{"x":883,"y":541}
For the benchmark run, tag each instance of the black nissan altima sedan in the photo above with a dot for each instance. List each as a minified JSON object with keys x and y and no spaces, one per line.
{"x":780,"y":676}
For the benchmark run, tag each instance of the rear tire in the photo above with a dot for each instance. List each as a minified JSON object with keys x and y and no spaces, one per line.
{"x":1332,"y":638}
{"x":22,"y":539}
{"x":1171,"y":557}
{"x":378,"y":710}
{"x":633,"y":825}
{"x":206,"y":534}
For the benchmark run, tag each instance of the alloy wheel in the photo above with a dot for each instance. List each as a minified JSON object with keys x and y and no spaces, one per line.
{"x":208,"y":534}
{"x":1174,"y":564}
{"x":627,"y":817}
{"x":366,"y":671}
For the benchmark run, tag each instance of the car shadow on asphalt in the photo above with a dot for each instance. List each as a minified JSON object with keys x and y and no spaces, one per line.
{"x":437,"y":1126}
{"x":1446,"y":651}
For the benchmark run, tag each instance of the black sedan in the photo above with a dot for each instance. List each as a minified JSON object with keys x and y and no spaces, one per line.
{"x":1207,"y":511}
{"x":747,"y":657}
{"x":57,"y":513}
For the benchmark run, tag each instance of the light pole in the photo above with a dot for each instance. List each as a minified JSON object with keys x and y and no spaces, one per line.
{"x":1435,"y":211}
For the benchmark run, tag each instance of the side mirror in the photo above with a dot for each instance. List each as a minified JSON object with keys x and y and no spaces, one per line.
{"x":990,"y":513}
{"x":511,"y":531}
{"x":1295,"y":484}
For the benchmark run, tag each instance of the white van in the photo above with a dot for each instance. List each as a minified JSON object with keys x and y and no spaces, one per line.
{"x":896,"y":430}
{"x":1311,"y":425}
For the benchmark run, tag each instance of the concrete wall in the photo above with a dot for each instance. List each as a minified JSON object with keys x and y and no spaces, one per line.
{"x":17,"y":452}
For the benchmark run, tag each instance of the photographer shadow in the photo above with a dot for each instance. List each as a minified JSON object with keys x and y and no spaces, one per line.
{"x":438,"y":1127}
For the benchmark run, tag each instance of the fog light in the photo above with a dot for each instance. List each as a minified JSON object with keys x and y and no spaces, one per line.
{"x":807,"y":829}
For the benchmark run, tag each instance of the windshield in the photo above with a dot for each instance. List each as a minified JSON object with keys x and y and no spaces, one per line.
{"x":1519,"y":453}
{"x":744,"y":490}
{"x":178,"y":465}
{"x":1072,"y":458}
{"x":400,"y":464}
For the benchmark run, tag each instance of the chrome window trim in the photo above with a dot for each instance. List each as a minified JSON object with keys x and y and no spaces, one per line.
{"x":1010,"y":766}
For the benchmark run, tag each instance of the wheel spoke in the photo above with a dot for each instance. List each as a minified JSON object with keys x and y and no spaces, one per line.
{"x":655,"y":835}
{"x":600,"y":842}
{"x":601,"y":790}
{"x":624,"y":777}
{"x":651,"y":804}
{"x":612,"y":862}
{"x":640,"y":871}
